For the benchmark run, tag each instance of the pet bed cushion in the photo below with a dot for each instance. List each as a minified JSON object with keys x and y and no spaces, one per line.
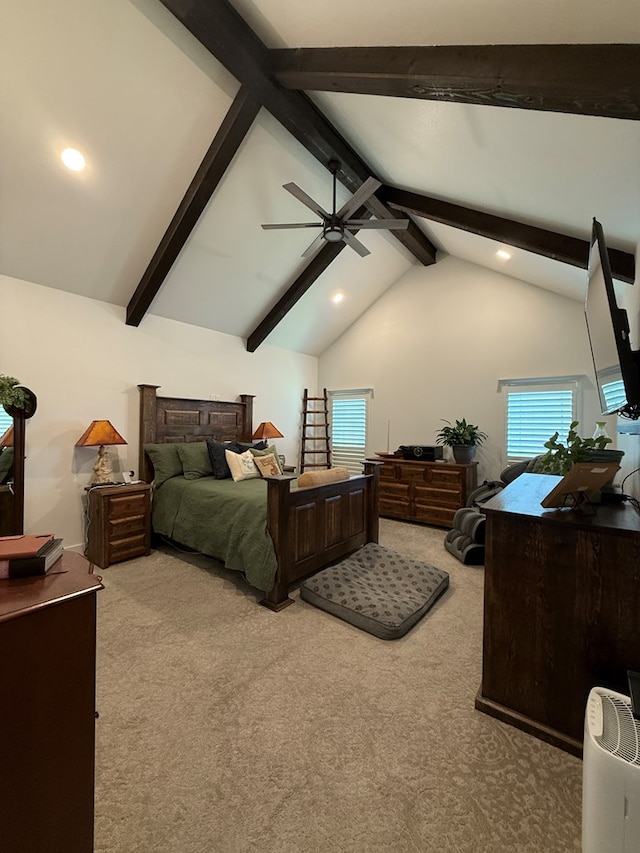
{"x":377,"y":590}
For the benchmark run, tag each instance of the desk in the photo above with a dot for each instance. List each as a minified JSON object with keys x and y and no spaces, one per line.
{"x":47,"y":709}
{"x":561,"y":609}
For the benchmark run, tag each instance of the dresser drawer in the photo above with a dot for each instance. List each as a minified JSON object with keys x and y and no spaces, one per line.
{"x":438,"y":497}
{"x":119,"y":528}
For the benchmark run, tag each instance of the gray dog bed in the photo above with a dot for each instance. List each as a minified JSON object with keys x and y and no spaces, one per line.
{"x":377,"y":590}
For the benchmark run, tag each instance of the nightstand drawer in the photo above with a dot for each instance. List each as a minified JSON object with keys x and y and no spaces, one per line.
{"x":123,"y":506}
{"x":121,"y":527}
{"x":126,"y":549}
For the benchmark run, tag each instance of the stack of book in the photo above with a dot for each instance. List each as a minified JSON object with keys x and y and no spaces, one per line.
{"x":26,"y":555}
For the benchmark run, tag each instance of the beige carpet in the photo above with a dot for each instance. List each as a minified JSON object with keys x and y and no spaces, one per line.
{"x":226,"y":728}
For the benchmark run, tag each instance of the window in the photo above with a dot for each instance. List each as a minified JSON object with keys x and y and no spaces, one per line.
{"x":348,"y":413}
{"x":535,"y":409}
{"x":5,"y":421}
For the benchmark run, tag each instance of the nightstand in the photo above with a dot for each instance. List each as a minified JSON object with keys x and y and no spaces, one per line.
{"x":118,"y":523}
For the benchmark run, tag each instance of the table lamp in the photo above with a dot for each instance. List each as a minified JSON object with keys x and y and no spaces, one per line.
{"x":265,"y":431}
{"x":98,"y":434}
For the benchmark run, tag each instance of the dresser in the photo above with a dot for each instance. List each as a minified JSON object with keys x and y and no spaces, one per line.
{"x":429,"y":492}
{"x":47,"y":709}
{"x":561,"y":609}
{"x":118,"y":523}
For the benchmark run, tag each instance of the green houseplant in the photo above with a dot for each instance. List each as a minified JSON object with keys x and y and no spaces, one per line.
{"x":560,"y":456}
{"x":15,"y":398}
{"x":462,"y":437}
{"x":12,"y":394}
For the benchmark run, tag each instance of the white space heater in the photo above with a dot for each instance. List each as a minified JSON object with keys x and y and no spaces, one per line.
{"x":610,"y":775}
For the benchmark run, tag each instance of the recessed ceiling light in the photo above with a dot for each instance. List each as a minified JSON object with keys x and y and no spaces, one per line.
{"x":503,"y":255}
{"x":337,"y":297}
{"x":73,"y":159}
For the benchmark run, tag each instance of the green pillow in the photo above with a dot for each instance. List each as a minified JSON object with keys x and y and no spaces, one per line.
{"x":270,"y":449}
{"x":194,"y":457}
{"x":165,"y":460}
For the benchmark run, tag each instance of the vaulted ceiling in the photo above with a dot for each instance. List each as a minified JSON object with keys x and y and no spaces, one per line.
{"x":497,"y":125}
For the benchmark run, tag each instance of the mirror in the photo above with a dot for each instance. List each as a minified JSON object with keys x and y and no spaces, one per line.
{"x":12,"y":456}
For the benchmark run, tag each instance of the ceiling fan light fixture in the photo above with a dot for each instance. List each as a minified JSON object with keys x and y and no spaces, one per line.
{"x":333,"y":234}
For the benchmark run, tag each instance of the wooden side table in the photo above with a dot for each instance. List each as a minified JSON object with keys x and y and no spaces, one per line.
{"x":118,"y":523}
{"x":47,"y":707}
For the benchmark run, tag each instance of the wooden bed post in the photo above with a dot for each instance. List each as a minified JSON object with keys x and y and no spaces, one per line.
{"x":147,"y":428}
{"x":373,"y":519}
{"x":278,"y":515}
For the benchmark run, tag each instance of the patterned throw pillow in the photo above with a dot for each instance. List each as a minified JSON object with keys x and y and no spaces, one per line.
{"x":217,"y":456}
{"x":257,"y":451}
{"x":241,"y":465}
{"x":267,"y":465}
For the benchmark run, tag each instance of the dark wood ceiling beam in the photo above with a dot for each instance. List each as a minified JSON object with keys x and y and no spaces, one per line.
{"x":233,"y":130}
{"x":314,"y":269}
{"x":226,"y":35}
{"x":585,"y":79}
{"x":559,"y":247}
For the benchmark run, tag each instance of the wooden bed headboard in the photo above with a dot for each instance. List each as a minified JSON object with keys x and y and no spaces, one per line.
{"x":176,"y":419}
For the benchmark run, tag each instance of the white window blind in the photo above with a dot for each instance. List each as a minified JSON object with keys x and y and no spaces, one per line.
{"x":535,"y":409}
{"x":349,"y":410}
{"x":5,"y":421}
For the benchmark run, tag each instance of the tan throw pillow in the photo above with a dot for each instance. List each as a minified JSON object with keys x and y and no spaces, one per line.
{"x":321,"y":478}
{"x":267,"y":465}
{"x":241,"y":465}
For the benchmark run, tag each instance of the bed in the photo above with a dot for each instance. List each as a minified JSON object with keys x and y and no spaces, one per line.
{"x":293,"y":532}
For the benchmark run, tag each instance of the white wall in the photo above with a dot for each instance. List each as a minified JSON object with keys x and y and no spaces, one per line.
{"x":83,"y":363}
{"x":435,"y":345}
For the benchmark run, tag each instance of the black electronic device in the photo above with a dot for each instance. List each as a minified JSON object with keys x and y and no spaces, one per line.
{"x":634,"y":692}
{"x":421,"y":452}
{"x":616,"y":365}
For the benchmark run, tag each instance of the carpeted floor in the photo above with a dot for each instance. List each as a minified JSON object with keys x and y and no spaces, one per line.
{"x":226,"y":728}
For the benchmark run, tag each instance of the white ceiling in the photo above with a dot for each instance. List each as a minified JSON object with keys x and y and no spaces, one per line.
{"x":125,"y":83}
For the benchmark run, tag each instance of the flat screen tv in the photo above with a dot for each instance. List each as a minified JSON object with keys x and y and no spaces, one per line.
{"x":616,"y":365}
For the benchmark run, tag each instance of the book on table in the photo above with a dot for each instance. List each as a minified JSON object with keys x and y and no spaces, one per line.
{"x":24,"y":567}
{"x":24,"y":545}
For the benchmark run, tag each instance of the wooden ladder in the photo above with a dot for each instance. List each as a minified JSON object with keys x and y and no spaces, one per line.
{"x":315,"y":432}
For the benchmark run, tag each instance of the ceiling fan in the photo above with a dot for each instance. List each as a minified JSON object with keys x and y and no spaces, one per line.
{"x":336,"y":226}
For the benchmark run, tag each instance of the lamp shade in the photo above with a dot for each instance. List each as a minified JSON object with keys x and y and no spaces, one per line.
{"x":6,"y":439}
{"x":99,"y":433}
{"x":265,"y":431}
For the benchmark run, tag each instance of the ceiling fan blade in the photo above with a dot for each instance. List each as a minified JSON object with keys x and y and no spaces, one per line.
{"x":391,"y":224}
{"x":355,"y":244}
{"x":358,"y":198}
{"x":315,"y":245}
{"x":293,"y":225}
{"x":301,"y":195}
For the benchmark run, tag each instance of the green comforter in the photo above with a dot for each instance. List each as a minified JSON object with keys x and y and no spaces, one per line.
{"x":223,"y":519}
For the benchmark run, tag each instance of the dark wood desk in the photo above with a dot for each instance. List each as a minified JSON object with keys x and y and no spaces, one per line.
{"x":47,"y":709}
{"x":561,"y":609}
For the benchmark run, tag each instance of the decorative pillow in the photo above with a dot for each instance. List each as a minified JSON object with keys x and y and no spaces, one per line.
{"x":271,"y":450}
{"x":217,"y":455}
{"x":166,"y":462}
{"x":194,"y":457}
{"x":241,"y":465}
{"x":321,"y":478}
{"x":267,"y":464}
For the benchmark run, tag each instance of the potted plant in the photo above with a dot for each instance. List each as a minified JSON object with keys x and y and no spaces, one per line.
{"x":561,"y":456}
{"x":15,"y":398}
{"x":462,"y":437}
